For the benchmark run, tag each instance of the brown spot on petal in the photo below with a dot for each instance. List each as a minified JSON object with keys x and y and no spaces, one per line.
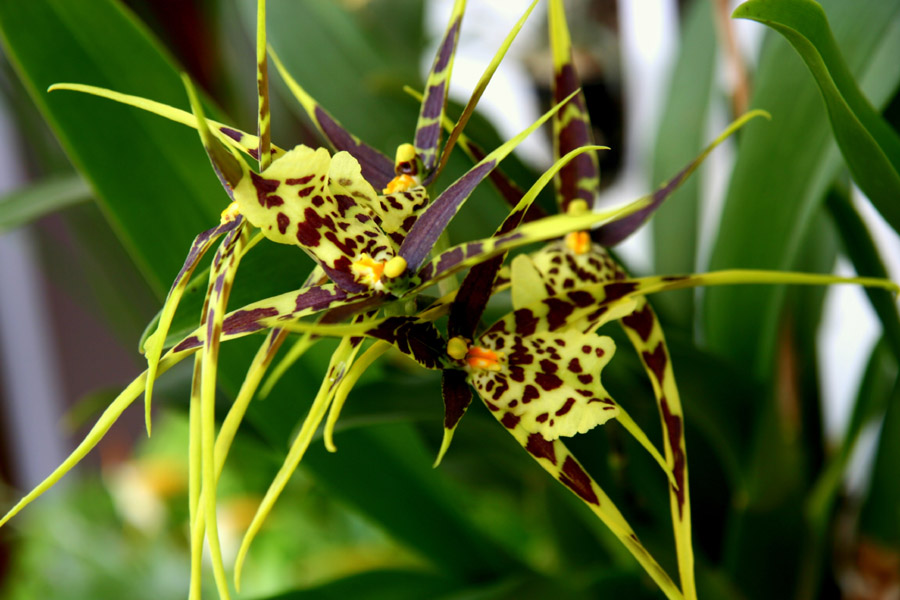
{"x":530,"y":393}
{"x":574,"y":477}
{"x":548,"y":366}
{"x":526,"y":322}
{"x":245,"y":321}
{"x":656,"y":361}
{"x":614,"y":291}
{"x":565,"y":407}
{"x":673,"y":428}
{"x":538,"y":447}
{"x":283,"y":222}
{"x":641,"y":322}
{"x":547,"y":381}
{"x":510,"y":420}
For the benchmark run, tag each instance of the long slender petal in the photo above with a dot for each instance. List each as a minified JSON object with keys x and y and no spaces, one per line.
{"x":434,"y":219}
{"x":555,"y":458}
{"x":239,"y":140}
{"x":508,"y":189}
{"x":558,"y":311}
{"x":153,"y":346}
{"x":428,"y":126}
{"x":571,"y":125}
{"x":264,"y":122}
{"x":350,"y":378}
{"x":612,"y":234}
{"x":479,"y":89}
{"x":465,"y":255}
{"x":298,"y":448}
{"x":478,"y":284}
{"x":377,"y":168}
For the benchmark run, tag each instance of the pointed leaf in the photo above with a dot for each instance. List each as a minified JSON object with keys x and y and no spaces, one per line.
{"x":782,"y":173}
{"x":870,"y":146}
{"x":24,"y":205}
{"x":863,"y":253}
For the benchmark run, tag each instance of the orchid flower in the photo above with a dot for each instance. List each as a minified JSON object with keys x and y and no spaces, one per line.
{"x":370,"y":235}
{"x":371,"y":227}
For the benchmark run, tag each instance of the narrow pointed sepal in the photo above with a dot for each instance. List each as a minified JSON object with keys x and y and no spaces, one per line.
{"x":571,"y":125}
{"x":154,"y":344}
{"x":227,"y":165}
{"x":434,"y":219}
{"x":239,"y":140}
{"x":478,"y":284}
{"x":344,"y":352}
{"x":264,"y":121}
{"x":614,"y":233}
{"x":479,"y":90}
{"x":457,"y":397}
{"x":428,"y":126}
{"x":377,"y":168}
{"x":468,"y":254}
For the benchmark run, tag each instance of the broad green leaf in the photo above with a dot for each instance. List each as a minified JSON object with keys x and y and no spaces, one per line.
{"x":166,"y":194}
{"x":869,"y":145}
{"x":782,"y":172}
{"x":30,"y":203}
{"x":680,"y":137}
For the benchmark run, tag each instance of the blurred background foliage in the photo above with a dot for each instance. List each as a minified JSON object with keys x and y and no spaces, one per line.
{"x":110,"y":199}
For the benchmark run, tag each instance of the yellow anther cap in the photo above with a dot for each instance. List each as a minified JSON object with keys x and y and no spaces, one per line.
{"x":457,"y":348}
{"x":395,"y":267}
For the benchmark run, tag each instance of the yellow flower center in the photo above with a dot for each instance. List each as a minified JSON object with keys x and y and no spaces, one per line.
{"x":370,"y":272}
{"x":578,"y":242}
{"x":400,"y":183}
{"x":367,"y":270}
{"x":476,"y":357}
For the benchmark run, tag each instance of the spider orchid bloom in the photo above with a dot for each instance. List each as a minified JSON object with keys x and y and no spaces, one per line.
{"x":373,"y":251}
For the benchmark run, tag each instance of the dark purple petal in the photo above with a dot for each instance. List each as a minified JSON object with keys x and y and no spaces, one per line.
{"x":612,"y":233}
{"x":432,"y":222}
{"x":419,"y":340}
{"x":457,"y":396}
{"x":580,"y":178}
{"x":377,"y":168}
